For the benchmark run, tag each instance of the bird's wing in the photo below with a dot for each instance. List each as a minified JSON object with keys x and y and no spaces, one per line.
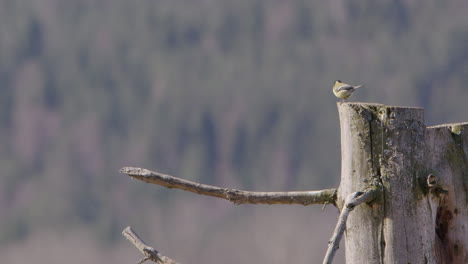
{"x":345,"y":87}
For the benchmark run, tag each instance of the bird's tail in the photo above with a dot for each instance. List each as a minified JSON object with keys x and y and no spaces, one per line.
{"x":358,"y":86}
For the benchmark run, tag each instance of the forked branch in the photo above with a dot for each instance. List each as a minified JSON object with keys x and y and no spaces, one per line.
{"x":353,"y":200}
{"x":236,"y":196}
{"x":149,"y":252}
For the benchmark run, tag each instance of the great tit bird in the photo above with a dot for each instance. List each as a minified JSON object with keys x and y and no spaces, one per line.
{"x":456,"y":129}
{"x":344,"y":90}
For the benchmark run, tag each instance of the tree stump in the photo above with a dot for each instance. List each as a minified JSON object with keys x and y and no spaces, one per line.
{"x":417,"y":218}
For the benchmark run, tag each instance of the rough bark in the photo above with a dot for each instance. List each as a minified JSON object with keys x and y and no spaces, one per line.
{"x":351,"y":202}
{"x":446,"y":157}
{"x":388,"y":147}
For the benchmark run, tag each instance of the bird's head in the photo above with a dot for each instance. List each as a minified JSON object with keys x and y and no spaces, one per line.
{"x":337,"y":82}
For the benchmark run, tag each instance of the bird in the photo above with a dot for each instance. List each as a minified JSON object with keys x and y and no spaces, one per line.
{"x":456,"y":129}
{"x":344,"y":90}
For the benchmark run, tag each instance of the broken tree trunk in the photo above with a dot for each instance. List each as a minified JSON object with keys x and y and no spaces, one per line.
{"x":446,"y":157}
{"x":414,"y":220}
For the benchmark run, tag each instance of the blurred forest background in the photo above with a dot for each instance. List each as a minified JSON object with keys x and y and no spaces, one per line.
{"x":230,"y":93}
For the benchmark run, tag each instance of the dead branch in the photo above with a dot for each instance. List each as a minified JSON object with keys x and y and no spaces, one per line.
{"x":233,"y":195}
{"x":353,"y":200}
{"x":149,"y":252}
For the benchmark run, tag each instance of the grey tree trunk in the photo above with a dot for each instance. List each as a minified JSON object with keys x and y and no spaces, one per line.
{"x":413,"y":221}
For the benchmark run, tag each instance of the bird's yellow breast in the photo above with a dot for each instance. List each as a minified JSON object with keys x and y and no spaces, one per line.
{"x":342,"y":94}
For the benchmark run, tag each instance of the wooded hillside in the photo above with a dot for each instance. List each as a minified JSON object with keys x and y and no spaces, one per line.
{"x":231,"y":93}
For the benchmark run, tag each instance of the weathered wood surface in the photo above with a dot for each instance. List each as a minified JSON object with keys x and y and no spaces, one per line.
{"x":236,"y":196}
{"x":391,"y":148}
{"x":351,"y":202}
{"x":446,"y":157}
{"x":149,"y":252}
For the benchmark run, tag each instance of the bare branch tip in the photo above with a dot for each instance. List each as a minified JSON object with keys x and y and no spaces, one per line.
{"x":125,"y":170}
{"x":126,"y":230}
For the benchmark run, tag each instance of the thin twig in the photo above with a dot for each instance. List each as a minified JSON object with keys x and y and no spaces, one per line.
{"x":353,"y":200}
{"x":233,"y":195}
{"x":149,"y":252}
